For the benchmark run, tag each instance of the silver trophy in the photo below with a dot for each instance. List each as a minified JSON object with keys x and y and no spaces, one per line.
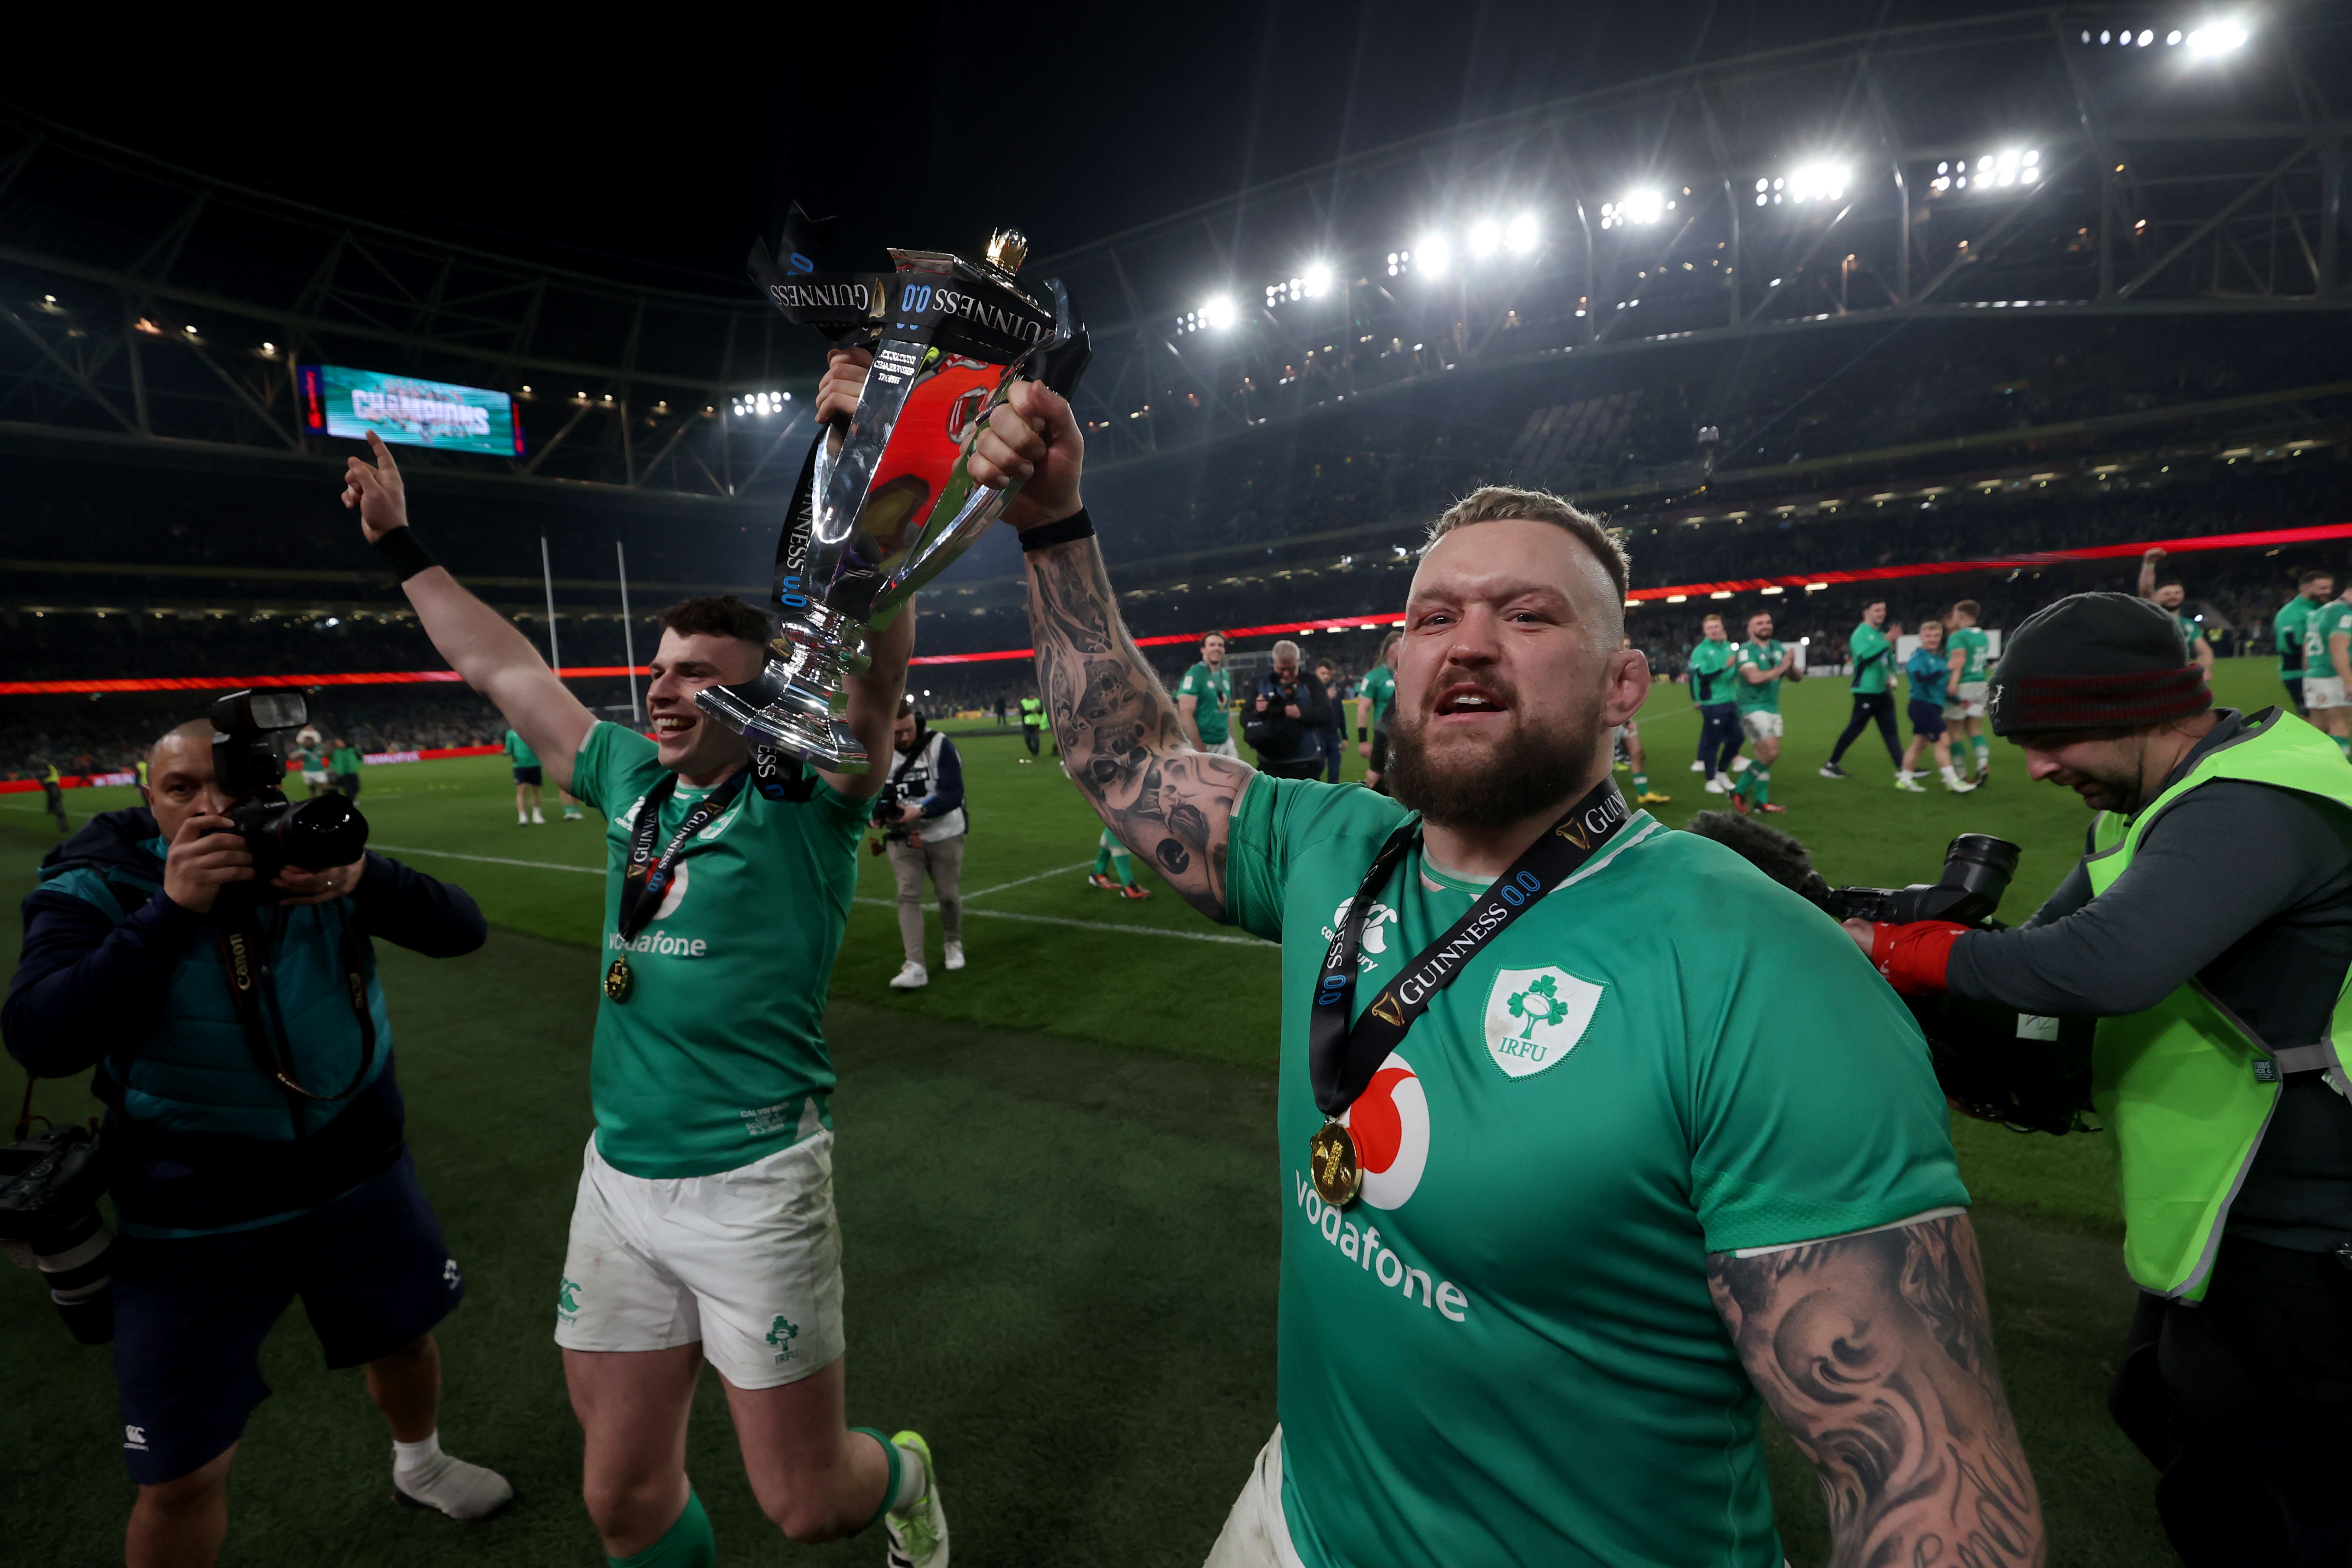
{"x":884,"y":500}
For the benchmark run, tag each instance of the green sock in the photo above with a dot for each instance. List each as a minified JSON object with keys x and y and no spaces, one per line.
{"x":686,"y":1544}
{"x":1983,"y":749}
{"x":2343,"y":744}
{"x":1763,"y":777}
{"x":1125,"y":866}
{"x":1641,"y":784}
{"x":1102,"y":860}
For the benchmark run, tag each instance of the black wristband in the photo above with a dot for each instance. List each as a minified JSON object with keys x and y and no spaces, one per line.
{"x":406,"y":555}
{"x":1360,"y":736}
{"x":1045,"y":536}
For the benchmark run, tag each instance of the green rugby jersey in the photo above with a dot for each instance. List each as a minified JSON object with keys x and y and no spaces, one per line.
{"x":1711,"y":673}
{"x":1758,"y":696}
{"x":519,"y":752}
{"x":2286,"y":631}
{"x":2192,"y":636}
{"x":718,"y":1055}
{"x":2324,"y":621}
{"x":1873,"y":654}
{"x":1380,"y":685}
{"x":1971,"y":641}
{"x":1214,"y":692}
{"x":1505,"y":1351}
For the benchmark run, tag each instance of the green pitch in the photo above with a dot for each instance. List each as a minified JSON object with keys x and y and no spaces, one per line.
{"x":1053,"y":1183}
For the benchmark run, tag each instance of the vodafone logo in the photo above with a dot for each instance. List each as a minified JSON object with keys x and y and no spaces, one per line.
{"x":1390,"y":1122}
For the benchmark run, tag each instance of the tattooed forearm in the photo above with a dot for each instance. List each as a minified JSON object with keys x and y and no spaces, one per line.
{"x":1877,"y":1353}
{"x":1119,"y":731}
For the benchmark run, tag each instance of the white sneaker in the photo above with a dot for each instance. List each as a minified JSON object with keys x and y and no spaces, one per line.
{"x":538,"y":819}
{"x":1716,"y":786}
{"x":1739,"y":764}
{"x":1698,"y":767}
{"x":454,"y":1487}
{"x":1958,"y":785}
{"x":955,"y":955}
{"x":1906,"y":782}
{"x":911,"y":976}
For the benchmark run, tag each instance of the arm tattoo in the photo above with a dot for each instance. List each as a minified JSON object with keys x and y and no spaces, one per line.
{"x":1119,"y":733}
{"x":1877,"y":1353}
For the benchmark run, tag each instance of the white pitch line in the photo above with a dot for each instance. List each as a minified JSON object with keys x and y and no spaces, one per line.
{"x":1056,"y":871}
{"x":1093,"y":925}
{"x":488,"y":859}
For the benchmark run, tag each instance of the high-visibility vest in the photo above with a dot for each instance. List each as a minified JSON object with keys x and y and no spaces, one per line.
{"x":1033,"y":713}
{"x":2187,"y":1089}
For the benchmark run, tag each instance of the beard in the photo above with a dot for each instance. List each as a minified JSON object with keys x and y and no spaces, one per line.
{"x":1475,"y":786}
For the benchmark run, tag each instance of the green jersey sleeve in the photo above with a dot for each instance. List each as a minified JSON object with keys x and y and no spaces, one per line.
{"x":1814,"y":1109}
{"x":1279,"y":818}
{"x":616,"y":765}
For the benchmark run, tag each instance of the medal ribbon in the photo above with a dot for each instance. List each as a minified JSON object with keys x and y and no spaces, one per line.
{"x":1341,"y":1061}
{"x":647,"y":878}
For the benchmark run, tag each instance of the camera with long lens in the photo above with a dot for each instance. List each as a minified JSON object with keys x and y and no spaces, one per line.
{"x":2025,"y":1071}
{"x":250,"y":729}
{"x":49,"y":1188}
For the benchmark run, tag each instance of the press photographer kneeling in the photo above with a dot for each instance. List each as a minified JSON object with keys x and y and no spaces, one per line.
{"x":227,"y":996}
{"x":2208,"y":927}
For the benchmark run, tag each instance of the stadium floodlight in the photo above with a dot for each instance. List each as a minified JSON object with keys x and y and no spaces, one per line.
{"x":1486,"y":238}
{"x":1317,"y":278}
{"x":2215,"y":40}
{"x":1218,"y":312}
{"x":1522,"y":233}
{"x":1816,"y":183}
{"x":1434,"y":255}
{"x":1642,"y":204}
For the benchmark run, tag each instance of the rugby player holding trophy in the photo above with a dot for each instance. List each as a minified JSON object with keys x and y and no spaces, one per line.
{"x":1572,"y":1185}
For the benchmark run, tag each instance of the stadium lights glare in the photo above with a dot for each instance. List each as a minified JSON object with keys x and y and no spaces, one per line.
{"x":2218,"y":40}
{"x":1218,"y":312}
{"x":759,"y":404}
{"x":1486,"y":238}
{"x":1522,"y":233}
{"x":1816,"y":183}
{"x":1317,"y":278}
{"x":1642,"y":205}
{"x":1435,"y":256}
{"x":2017,"y":167}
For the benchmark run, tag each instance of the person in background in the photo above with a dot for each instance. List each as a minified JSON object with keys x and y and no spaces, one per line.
{"x":1204,"y":700}
{"x":2327,"y":669}
{"x":1285,"y":722}
{"x":309,"y":755}
{"x":1964,"y":702}
{"x":1871,"y":650}
{"x":1032,"y":725}
{"x":525,"y":763}
{"x":2313,"y":589}
{"x":1929,"y":671}
{"x":1762,"y":663}
{"x":1332,"y":733}
{"x":53,"y":798}
{"x":1375,"y":695}
{"x":1711,"y":677}
{"x":921,"y":815}
{"x":345,"y":762}
{"x":2169,"y":594}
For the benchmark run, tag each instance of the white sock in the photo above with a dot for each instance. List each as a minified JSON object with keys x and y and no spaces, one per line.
{"x":913,"y":1479}
{"x":418,"y":1461}
{"x":1951,"y":774}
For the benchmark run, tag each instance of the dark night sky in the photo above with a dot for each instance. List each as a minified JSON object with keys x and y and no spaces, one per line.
{"x":615,"y":143}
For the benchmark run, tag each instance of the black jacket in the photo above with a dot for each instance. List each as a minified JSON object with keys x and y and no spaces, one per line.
{"x":1274,"y":734}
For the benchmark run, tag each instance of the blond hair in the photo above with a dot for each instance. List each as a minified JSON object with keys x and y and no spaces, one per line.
{"x":1500,"y":503}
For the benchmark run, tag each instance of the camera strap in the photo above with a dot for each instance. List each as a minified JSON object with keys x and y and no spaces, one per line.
{"x":1342,"y":1060}
{"x":239,"y":939}
{"x":647,"y":875}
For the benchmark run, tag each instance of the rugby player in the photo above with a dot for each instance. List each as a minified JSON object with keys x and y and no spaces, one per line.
{"x":2313,"y":589}
{"x":1761,"y":664}
{"x":1375,"y":695}
{"x":1627,"y":740}
{"x":1871,"y":647}
{"x":1204,"y":700}
{"x":705,"y":1227}
{"x":2167,"y":596}
{"x":525,"y":763}
{"x":1964,"y":707}
{"x":1719,"y":716}
{"x":1620,"y":1177}
{"x":2327,"y":668}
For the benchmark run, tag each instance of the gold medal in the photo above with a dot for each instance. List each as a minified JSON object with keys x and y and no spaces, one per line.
{"x":617,"y":980}
{"x":1331,"y":1162}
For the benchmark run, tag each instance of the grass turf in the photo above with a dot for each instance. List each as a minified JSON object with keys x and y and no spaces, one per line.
{"x":1053,"y":1167}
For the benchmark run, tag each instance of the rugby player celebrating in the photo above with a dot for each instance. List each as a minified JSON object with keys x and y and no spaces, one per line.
{"x":705,"y":1227}
{"x":1563,"y":1185}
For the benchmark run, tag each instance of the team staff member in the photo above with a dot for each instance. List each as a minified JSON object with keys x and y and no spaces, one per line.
{"x":925,"y":831}
{"x":1711,"y":676}
{"x":1964,"y":701}
{"x":1761,"y":664}
{"x":1375,"y":695}
{"x":345,"y":762}
{"x":1615,"y":1163}
{"x":704,"y":1228}
{"x":1335,"y":716}
{"x":1205,"y":701}
{"x":526,"y":776}
{"x":2169,"y":595}
{"x":2313,"y":589}
{"x":1871,"y":650}
{"x":235,"y":1193}
{"x":53,"y":798}
{"x":2219,"y":1060}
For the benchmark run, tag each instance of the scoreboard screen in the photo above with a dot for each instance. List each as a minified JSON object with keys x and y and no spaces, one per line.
{"x":405,"y":411}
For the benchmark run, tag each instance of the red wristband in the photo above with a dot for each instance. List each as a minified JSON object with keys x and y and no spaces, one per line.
{"x":1913,"y":957}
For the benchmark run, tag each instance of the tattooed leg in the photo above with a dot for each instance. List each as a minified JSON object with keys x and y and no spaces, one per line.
{"x":1119,"y":733}
{"x":1875,"y":1351}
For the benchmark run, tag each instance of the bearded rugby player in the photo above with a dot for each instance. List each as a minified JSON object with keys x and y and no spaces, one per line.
{"x":705,"y":1228}
{"x":1611,"y":1182}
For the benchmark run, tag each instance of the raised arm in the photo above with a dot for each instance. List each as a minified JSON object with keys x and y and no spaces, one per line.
{"x":1875,"y":1351}
{"x":480,"y":643}
{"x":1120,"y":736}
{"x":2146,"y":588}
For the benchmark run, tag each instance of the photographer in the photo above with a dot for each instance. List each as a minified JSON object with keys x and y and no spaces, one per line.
{"x":2209,"y":927}
{"x":920,"y":813}
{"x":255,"y":1151}
{"x":1286,"y":718}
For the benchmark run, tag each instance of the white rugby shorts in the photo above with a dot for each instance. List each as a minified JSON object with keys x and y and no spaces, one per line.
{"x":746,"y":1261}
{"x":1256,"y":1535}
{"x":1224,"y":748}
{"x":1968,"y":701}
{"x":2324,"y":691}
{"x":1760,"y":725}
{"x":317,"y":778}
{"x":1629,"y":731}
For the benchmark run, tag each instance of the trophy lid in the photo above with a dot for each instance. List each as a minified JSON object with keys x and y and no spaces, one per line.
{"x":1007,"y":249}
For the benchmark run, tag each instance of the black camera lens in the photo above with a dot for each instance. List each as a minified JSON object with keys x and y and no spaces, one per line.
{"x":319,"y":833}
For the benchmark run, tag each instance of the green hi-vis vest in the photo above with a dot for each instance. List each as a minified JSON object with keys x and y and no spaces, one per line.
{"x":2186,"y":1088}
